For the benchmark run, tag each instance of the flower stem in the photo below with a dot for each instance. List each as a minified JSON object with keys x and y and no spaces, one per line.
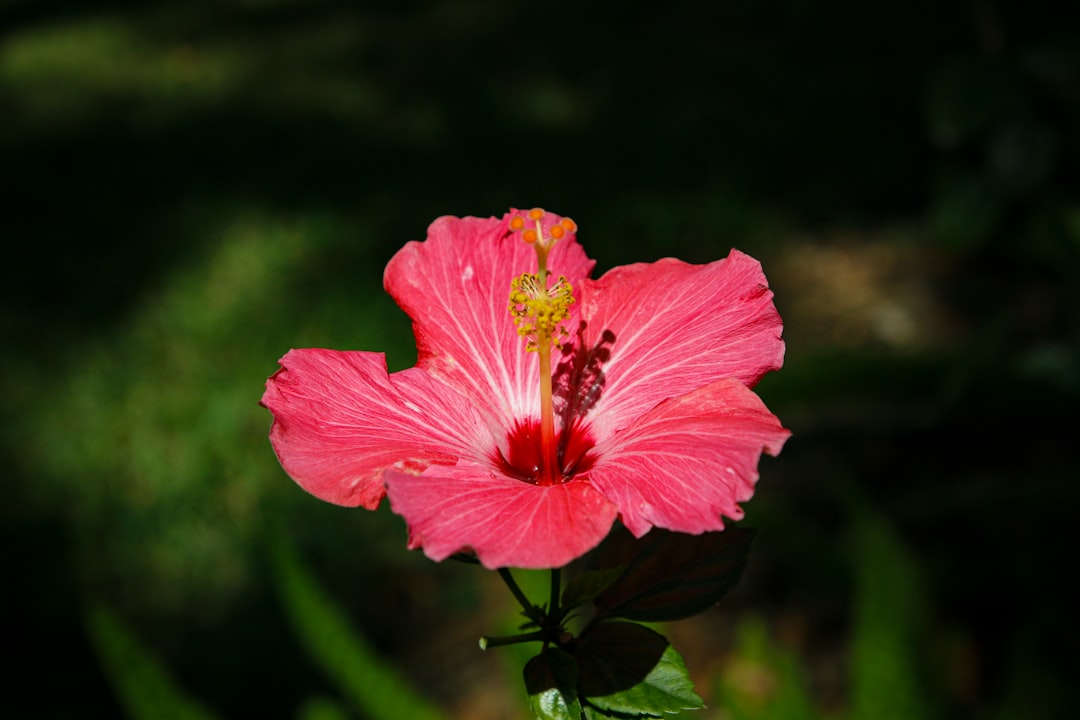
{"x":531,"y":611}
{"x":556,"y":588}
{"x":490,"y":642}
{"x":547,"y":619}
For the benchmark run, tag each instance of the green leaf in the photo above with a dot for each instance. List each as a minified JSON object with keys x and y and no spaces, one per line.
{"x":670,"y":576}
{"x":551,"y":680}
{"x":585,"y":587}
{"x":628,"y":669}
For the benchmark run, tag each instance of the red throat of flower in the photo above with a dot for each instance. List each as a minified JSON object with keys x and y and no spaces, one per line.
{"x":538,"y":309}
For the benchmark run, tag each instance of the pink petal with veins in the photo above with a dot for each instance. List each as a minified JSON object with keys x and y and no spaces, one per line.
{"x":340,"y":421}
{"x":506,"y":522}
{"x":689,"y":460}
{"x":673,"y":327}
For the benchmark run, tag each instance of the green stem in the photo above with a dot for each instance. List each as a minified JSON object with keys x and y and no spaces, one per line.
{"x":556,"y":588}
{"x":531,"y":611}
{"x":490,"y":642}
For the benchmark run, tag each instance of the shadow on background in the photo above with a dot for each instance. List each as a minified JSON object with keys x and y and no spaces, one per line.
{"x":193,"y":188}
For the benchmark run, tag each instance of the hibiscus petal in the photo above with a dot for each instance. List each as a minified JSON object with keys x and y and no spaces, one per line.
{"x":669,"y":327}
{"x":456,"y":287}
{"x":506,"y":522}
{"x":689,"y":460}
{"x":340,"y":421}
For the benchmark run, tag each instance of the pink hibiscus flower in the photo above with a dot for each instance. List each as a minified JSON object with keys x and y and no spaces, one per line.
{"x":523,"y":432}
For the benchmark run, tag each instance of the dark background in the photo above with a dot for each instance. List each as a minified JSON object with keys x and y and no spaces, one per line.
{"x":191,"y":188}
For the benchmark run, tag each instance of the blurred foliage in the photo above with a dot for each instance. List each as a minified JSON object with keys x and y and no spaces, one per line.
{"x":195,"y":187}
{"x":322,"y":709}
{"x":145,"y":687}
{"x":375,"y":689}
{"x":889,"y":625}
{"x":148,"y":691}
{"x":762,"y":680}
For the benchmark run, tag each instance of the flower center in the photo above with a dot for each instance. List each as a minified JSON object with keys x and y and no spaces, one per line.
{"x":524,"y":458}
{"x":538,"y":311}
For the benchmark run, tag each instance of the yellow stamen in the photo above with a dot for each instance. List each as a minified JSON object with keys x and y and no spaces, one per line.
{"x":538,"y":311}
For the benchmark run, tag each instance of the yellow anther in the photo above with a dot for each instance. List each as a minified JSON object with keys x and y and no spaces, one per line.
{"x":530,"y":236}
{"x":568,"y":224}
{"x":557,"y":232}
{"x":536,"y":213}
{"x":517,"y":222}
{"x":538,"y":311}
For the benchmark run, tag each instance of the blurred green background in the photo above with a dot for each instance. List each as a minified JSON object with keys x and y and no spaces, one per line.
{"x":192,"y":188}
